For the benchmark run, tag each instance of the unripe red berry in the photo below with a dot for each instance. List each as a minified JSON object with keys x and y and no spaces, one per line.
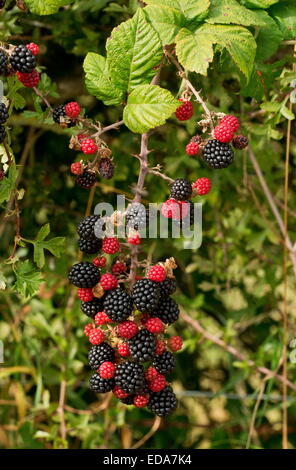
{"x":88,"y":328}
{"x":76,"y":168}
{"x":100,"y":261}
{"x":175,"y":343}
{"x":157,"y":384}
{"x":118,"y":267}
{"x":119,"y":393}
{"x":202,"y":186}
{"x":134,"y":240}
{"x":85,"y":294}
{"x":96,"y":336}
{"x":108,"y":281}
{"x":154,"y":325}
{"x":88,"y":146}
{"x":157,"y":273}
{"x":185,"y":111}
{"x":102,"y":318}
{"x":107,"y":370}
{"x":123,"y":349}
{"x":127,"y":329}
{"x":151,"y":373}
{"x":231,"y":121}
{"x":29,"y":80}
{"x":140,"y":401}
{"x":72,"y":109}
{"x":192,"y":148}
{"x":110,"y":245}
{"x":223,"y":133}
{"x":176,"y":210}
{"x":160,"y":347}
{"x":34,"y":48}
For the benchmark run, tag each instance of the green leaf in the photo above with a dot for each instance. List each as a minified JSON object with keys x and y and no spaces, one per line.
{"x":46,"y":7}
{"x":98,"y":82}
{"x":55,"y":245}
{"x":167,"y":21}
{"x":230,"y":11}
{"x":195,"y":50}
{"x":285,"y":15}
{"x":285,"y":111}
{"x":259,"y":3}
{"x":189,"y":8}
{"x":262,"y":79}
{"x":133,"y":50}
{"x":8,"y":183}
{"x":28,"y":279}
{"x":148,"y":106}
{"x":268,"y":38}
{"x":43,"y":232}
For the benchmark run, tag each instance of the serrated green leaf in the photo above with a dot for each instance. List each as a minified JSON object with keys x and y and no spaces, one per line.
{"x":133,"y":50}
{"x":7,"y":184}
{"x":195,"y":50}
{"x":284,"y":14}
{"x":98,"y":82}
{"x":259,"y":3}
{"x":189,"y":8}
{"x":261,"y":80}
{"x":46,"y":7}
{"x":268,"y":38}
{"x":55,"y":246}
{"x":28,"y":279}
{"x":148,"y":106}
{"x":167,"y":21}
{"x":43,"y":232}
{"x":230,"y":11}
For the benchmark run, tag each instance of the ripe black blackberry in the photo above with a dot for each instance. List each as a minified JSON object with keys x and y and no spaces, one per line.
{"x":84,"y":274}
{"x":163,"y":403}
{"x":217,"y":154}
{"x":87,"y":180}
{"x":100,"y":353}
{"x":145,"y":295}
{"x":99,"y":385}
{"x":128,"y":400}
{"x":167,"y":287}
{"x":92,"y":307}
{"x":167,"y":310}
{"x":3,"y":113}
{"x":240,"y":142}
{"x":129,"y":376}
{"x":90,"y":246}
{"x":2,"y":134}
{"x":118,"y":305}
{"x":181,"y":189}
{"x":106,"y":168}
{"x":137,"y":216}
{"x":58,"y":113}
{"x":164,"y":363}
{"x":3,"y":62}
{"x":22,"y":59}
{"x":86,"y":226}
{"x":142,"y":346}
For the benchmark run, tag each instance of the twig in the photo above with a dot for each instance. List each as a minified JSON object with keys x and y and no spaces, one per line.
{"x":214,"y":339}
{"x":115,"y":125}
{"x":149,"y":434}
{"x":60,"y":409}
{"x":161,"y":175}
{"x":38,"y":93}
{"x":254,"y":414}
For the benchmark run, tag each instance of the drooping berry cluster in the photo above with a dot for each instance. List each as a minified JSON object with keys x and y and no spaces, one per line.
{"x":130,"y":352}
{"x":20,"y":60}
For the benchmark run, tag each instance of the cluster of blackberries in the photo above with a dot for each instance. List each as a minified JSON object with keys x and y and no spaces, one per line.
{"x":132,"y":358}
{"x":21,"y":61}
{"x":3,"y":119}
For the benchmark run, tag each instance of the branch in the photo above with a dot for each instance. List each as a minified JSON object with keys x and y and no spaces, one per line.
{"x":214,"y":339}
{"x":38,"y":93}
{"x":161,"y":175}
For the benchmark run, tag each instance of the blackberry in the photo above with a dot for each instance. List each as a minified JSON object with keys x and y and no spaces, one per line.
{"x":137,"y":216}
{"x":181,"y":189}
{"x":100,"y":353}
{"x":128,"y":400}
{"x":86,"y":227}
{"x":2,"y":134}
{"x":58,"y":113}
{"x":167,"y":310}
{"x":22,"y":59}
{"x":164,"y":363}
{"x":3,"y":62}
{"x":163,"y":403}
{"x":145,"y":295}
{"x":87,"y":180}
{"x":142,"y":346}
{"x":90,"y":246}
{"x":240,"y":142}
{"x":84,"y":274}
{"x":217,"y":154}
{"x":3,"y":113}
{"x":92,"y":307}
{"x":106,"y":168}
{"x":118,"y":305}
{"x":188,"y":220}
{"x":99,"y":385}
{"x":130,"y":376}
{"x":167,"y":287}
